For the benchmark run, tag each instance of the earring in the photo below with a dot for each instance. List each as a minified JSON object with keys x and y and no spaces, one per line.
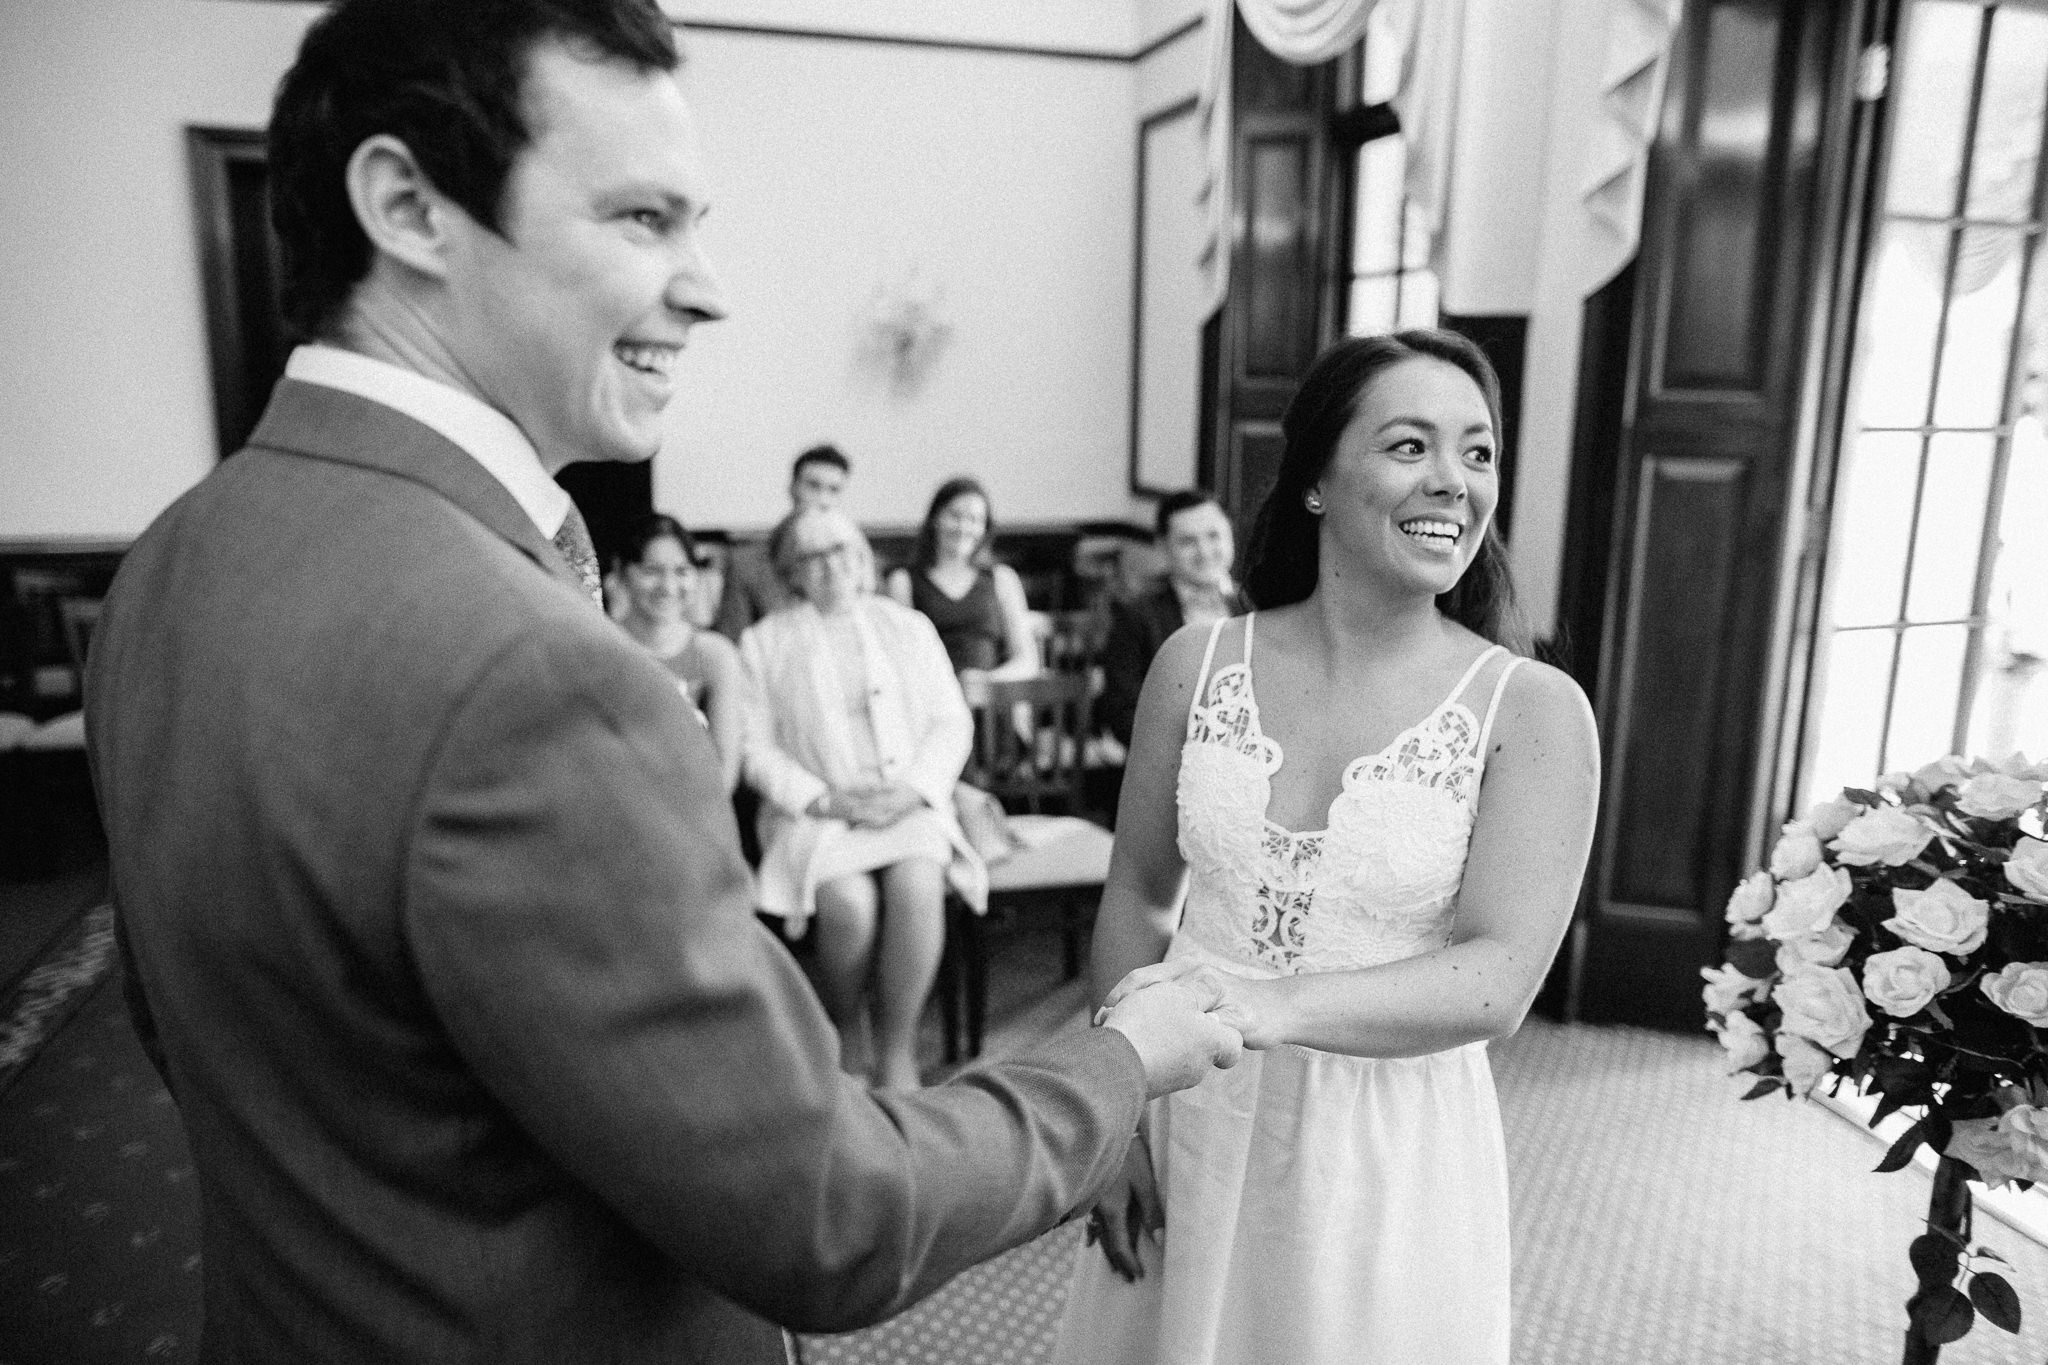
{"x":1314,"y":503}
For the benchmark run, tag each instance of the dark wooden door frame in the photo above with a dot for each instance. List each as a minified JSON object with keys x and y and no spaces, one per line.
{"x":1712,"y":479}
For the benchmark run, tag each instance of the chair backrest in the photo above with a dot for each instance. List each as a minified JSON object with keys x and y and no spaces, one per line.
{"x":1029,"y":741}
{"x":1070,"y":641}
{"x":81,"y":617}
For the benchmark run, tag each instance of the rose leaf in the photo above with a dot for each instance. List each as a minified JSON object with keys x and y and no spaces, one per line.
{"x":1996,"y":1300}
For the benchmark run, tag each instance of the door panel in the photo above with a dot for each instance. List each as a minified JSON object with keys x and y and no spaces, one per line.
{"x":1714,"y":427}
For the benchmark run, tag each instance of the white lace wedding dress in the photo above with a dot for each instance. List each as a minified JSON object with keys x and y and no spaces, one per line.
{"x":1319,"y":1207}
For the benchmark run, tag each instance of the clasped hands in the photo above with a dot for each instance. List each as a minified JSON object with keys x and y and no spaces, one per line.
{"x":1185,"y":1018}
{"x":867,"y":807}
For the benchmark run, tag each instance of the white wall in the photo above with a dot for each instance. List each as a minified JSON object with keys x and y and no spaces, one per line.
{"x":1007,"y":177}
{"x":105,"y":404}
{"x":1003,"y":181}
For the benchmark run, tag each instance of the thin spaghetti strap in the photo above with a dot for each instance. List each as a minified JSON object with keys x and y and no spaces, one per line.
{"x":1202,"y":678}
{"x":1249,"y":617}
{"x":1473,"y":671}
{"x":1500,"y":686}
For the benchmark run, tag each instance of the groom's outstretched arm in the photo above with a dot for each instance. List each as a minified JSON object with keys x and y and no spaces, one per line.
{"x":584,"y":926}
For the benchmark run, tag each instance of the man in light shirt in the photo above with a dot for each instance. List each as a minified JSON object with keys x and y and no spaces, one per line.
{"x":430,"y":899}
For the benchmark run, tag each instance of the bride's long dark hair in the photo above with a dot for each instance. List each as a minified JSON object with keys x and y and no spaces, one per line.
{"x":1285,"y":550}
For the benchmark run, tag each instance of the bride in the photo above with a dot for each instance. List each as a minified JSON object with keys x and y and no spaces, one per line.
{"x":1378,"y":814}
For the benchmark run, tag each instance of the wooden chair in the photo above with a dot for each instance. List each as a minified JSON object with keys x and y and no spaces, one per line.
{"x":1030,"y":736}
{"x":1062,"y":866}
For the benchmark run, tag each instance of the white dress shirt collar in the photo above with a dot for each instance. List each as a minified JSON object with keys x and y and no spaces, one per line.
{"x":479,"y":430}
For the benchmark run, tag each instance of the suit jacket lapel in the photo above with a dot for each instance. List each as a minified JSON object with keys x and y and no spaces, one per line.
{"x":333,"y":424}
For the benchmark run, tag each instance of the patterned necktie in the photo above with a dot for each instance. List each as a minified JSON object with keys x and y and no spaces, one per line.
{"x":573,"y":540}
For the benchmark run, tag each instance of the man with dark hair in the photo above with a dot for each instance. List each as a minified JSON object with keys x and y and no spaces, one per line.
{"x":430,"y":899}
{"x":1194,"y":532}
{"x":754,"y":587}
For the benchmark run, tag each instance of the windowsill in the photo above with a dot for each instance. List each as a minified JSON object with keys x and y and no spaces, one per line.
{"x":2024,"y":1211}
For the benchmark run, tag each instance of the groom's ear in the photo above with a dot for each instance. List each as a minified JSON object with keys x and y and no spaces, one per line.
{"x":399,"y":209}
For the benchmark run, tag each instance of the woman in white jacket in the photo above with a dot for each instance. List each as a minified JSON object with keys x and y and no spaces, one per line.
{"x":863,"y":735}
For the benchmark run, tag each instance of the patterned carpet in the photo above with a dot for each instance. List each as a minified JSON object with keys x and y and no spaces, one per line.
{"x":1656,"y":1221}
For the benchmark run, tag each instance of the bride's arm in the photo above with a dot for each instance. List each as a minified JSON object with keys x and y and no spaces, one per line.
{"x":1522,"y":877}
{"x":1141,"y":900}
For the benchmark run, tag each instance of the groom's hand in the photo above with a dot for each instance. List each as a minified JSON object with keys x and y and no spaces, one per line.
{"x":1246,"y":1004}
{"x":1178,"y":1039}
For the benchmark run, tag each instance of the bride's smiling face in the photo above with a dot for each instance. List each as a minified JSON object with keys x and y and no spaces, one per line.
{"x":1411,"y":487}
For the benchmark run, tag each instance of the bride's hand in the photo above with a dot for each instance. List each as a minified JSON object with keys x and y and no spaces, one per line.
{"x":1127,"y":1211}
{"x":1247,"y":1004}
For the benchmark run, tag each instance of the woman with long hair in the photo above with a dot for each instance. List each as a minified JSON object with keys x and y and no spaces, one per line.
{"x":976,"y":604}
{"x":1376,"y":814}
{"x":658,"y":570}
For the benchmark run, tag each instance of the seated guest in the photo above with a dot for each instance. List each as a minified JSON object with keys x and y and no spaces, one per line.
{"x":976,"y":604}
{"x":712,"y":551}
{"x":658,"y":570}
{"x":863,"y":736}
{"x":753,"y":580}
{"x":1195,"y":534}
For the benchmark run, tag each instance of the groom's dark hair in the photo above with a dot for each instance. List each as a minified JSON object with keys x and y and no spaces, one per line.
{"x":446,"y":78}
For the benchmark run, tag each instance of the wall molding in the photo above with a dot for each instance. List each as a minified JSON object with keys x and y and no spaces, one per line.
{"x":833,"y":35}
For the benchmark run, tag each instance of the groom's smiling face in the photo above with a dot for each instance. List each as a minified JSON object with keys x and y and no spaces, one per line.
{"x":571,"y":319}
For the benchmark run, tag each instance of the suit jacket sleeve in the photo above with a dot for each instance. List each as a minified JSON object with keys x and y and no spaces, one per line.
{"x":582,"y":923}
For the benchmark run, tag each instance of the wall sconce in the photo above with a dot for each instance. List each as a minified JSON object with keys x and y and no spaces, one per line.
{"x":905,"y":330}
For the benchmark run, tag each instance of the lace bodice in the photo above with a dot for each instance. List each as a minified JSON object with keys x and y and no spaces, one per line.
{"x":1378,"y":883}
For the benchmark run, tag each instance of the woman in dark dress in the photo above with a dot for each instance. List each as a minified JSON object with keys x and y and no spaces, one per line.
{"x":976,"y":604}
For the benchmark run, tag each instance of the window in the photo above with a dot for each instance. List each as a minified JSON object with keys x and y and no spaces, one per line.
{"x":1392,"y":285}
{"x":1934,"y":616}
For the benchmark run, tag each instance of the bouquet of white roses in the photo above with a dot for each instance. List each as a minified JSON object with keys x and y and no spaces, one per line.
{"x":1899,"y":942}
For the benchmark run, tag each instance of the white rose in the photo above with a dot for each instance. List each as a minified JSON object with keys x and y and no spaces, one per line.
{"x":1728,"y":990}
{"x":1943,"y":919}
{"x":1745,"y":1042}
{"x":2026,"y":1129}
{"x":1830,"y":818}
{"x":1884,"y":834}
{"x":1823,"y":1004}
{"x":1823,"y":949}
{"x":2016,"y":765}
{"x":2021,"y":990}
{"x":1896,"y":783}
{"x":1752,"y":898}
{"x":1797,"y":853}
{"x":1979,"y":1142}
{"x":1807,"y":906}
{"x":1994,"y":796}
{"x":1804,"y":1062}
{"x":1943,"y":772}
{"x":2027,"y":868}
{"x":1902,"y":981}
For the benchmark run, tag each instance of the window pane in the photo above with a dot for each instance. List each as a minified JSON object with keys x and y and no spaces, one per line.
{"x":1925,"y":701}
{"x":1418,"y":298}
{"x":1902,"y":308}
{"x":2010,"y":710}
{"x":1939,"y":57}
{"x":1874,"y":511}
{"x":2009,"y":120}
{"x":1858,"y":667}
{"x":1376,"y":216}
{"x":1978,"y":345}
{"x":1952,"y":511}
{"x":1372,"y":306}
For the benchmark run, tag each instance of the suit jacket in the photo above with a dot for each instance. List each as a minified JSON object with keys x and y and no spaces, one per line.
{"x":437,"y":927}
{"x":1138,"y":626}
{"x":802,"y":745}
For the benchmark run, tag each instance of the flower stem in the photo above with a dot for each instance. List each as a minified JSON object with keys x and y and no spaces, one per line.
{"x":1948,"y":1209}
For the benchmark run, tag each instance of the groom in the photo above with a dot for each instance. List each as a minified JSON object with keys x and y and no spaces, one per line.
{"x":429,"y":894}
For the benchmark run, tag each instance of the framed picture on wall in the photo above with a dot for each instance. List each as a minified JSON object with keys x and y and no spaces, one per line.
{"x":239,"y":270}
{"x":1169,"y":297}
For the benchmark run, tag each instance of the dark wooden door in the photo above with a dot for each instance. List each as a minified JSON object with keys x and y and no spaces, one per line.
{"x":1730,"y":305}
{"x":1287,"y":192}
